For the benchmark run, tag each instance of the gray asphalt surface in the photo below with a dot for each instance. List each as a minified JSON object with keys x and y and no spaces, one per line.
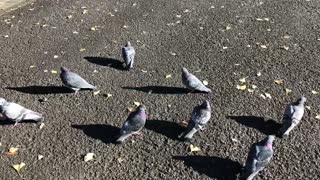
{"x":196,"y":32}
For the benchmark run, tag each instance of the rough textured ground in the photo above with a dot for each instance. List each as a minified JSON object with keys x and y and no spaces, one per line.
{"x":76,"y":125}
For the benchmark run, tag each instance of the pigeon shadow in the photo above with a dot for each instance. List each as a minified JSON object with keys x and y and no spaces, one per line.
{"x":160,"y":89}
{"x":166,"y":128}
{"x":102,"y":61}
{"x":42,"y":89}
{"x":6,"y":122}
{"x":269,"y":127}
{"x":105,"y":133}
{"x":214,"y":167}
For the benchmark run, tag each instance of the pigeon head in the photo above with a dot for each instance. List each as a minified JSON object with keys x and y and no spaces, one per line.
{"x":205,"y":104}
{"x":269,"y":140}
{"x":142,"y":110}
{"x":128,"y":44}
{"x":302,"y":100}
{"x":2,"y":101}
{"x":184,"y":70}
{"x":64,"y":69}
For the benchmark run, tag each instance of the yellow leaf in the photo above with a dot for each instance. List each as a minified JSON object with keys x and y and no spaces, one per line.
{"x":54,"y":72}
{"x":224,"y":47}
{"x":41,"y":125}
{"x":266,"y":19}
{"x":168,"y":76}
{"x":69,"y":17}
{"x":205,"y":82}
{"x":18,"y":167}
{"x":172,"y":53}
{"x":254,"y":86}
{"x":85,"y":11}
{"x":285,"y":47}
{"x":228,"y":27}
{"x":45,"y":70}
{"x":263,"y":96}
{"x":314,"y":92}
{"x":286,"y":36}
{"x":96,"y":92}
{"x":136,"y":103}
{"x":318,"y":116}
{"x":243,"y":80}
{"x":288,"y":91}
{"x":93,"y":29}
{"x":263,"y":46}
{"x":194,"y":148}
{"x":107,"y":95}
{"x":75,"y":32}
{"x":32,"y":66}
{"x":250,"y":90}
{"x":55,"y":56}
{"x":243,"y":87}
{"x":267,"y":95}
{"x":120,"y":159}
{"x":144,"y":71}
{"x":308,"y":107}
{"x":130,"y":109}
{"x":82,"y":49}
{"x":12,"y":151}
{"x":259,"y":74}
{"x":88,"y":157}
{"x":278,"y":81}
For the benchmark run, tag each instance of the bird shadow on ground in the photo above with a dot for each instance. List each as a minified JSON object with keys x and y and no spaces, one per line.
{"x":166,"y":128}
{"x":104,"y":132}
{"x":6,"y":122}
{"x":214,"y":167}
{"x":268,"y":127}
{"x":42,"y":89}
{"x":160,"y":89}
{"x":103,"y":61}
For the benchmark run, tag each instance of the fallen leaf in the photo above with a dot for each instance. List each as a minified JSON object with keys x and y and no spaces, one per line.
{"x":45,"y":70}
{"x":178,"y":16}
{"x":45,"y":25}
{"x":267,"y":95}
{"x":75,"y":32}
{"x":107,"y":95}
{"x":82,"y":49}
{"x":6,"y":36}
{"x":288,"y":91}
{"x":194,"y":148}
{"x":93,"y":29}
{"x":172,"y":53}
{"x":314,"y":92}
{"x":168,"y":76}
{"x":205,"y":82}
{"x":250,"y":90}
{"x":259,"y":74}
{"x":54,"y":71}
{"x":0,"y":144}
{"x":242,"y":87}
{"x":278,"y":81}
{"x":263,"y":46}
{"x":32,"y":66}
{"x":85,"y":11}
{"x":266,"y":19}
{"x":268,"y":30}
{"x":96,"y":92}
{"x":285,"y":48}
{"x":136,"y":103}
{"x":69,"y":17}
{"x":40,"y":157}
{"x":228,"y":27}
{"x":120,"y":159}
{"x":144,"y":71}
{"x":308,"y":107}
{"x":224,"y":47}
{"x":55,"y":56}
{"x":259,"y":19}
{"x":18,"y":167}
{"x":12,"y":151}
{"x":41,"y":125}
{"x":234,"y":140}
{"x":88,"y":157}
{"x":318,"y":116}
{"x":286,"y":36}
{"x":130,"y":109}
{"x":243,"y":80}
{"x":263,"y":96}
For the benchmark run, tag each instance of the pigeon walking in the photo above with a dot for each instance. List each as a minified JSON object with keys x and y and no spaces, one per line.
{"x":134,"y":123}
{"x":200,"y":116}
{"x":192,"y":82}
{"x":17,"y":113}
{"x":292,"y":116}
{"x":258,"y":158}
{"x":74,"y":81}
{"x":128,"y":54}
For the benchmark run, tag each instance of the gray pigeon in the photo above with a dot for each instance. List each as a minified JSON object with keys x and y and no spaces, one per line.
{"x":292,"y":116}
{"x":192,"y":82}
{"x":17,"y":113}
{"x":200,"y":116}
{"x":128,"y":54}
{"x":74,"y":81}
{"x":134,"y":123}
{"x":258,"y":158}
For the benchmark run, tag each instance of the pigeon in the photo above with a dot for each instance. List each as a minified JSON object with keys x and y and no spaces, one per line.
{"x":192,"y":82}
{"x":292,"y":116}
{"x":74,"y":81}
{"x":17,"y":113}
{"x":134,"y":123}
{"x":128,"y":54}
{"x":201,"y":114}
{"x":259,"y":156}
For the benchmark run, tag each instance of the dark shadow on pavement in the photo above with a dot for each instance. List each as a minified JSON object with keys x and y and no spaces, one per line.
{"x":214,"y":167}
{"x":166,"y":128}
{"x":9,"y":122}
{"x":105,"y":133}
{"x":269,"y":127}
{"x":160,"y":89}
{"x":103,"y":61}
{"x":42,"y":89}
